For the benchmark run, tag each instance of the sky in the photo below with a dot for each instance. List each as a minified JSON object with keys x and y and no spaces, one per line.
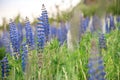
{"x":31,"y":8}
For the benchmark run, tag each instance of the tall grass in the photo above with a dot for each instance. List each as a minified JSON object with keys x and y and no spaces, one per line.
{"x":59,"y":63}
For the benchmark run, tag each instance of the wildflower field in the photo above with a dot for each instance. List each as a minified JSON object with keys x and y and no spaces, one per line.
{"x":34,"y":56}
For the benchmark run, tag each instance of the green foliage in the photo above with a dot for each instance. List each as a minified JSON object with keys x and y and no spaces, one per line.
{"x":65,"y":16}
{"x":61,"y":64}
{"x":114,"y":8}
{"x":113,"y":55}
{"x":17,"y":18}
{"x":89,"y":10}
{"x":2,"y":53}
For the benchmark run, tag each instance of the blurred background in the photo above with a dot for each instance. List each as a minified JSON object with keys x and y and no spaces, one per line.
{"x":69,"y":13}
{"x":32,"y":8}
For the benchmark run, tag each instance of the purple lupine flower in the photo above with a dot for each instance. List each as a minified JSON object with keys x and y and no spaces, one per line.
{"x":40,"y":40}
{"x":84,"y":24}
{"x":40,"y":35}
{"x":24,"y":56}
{"x":53,"y":32}
{"x":60,"y":36}
{"x":118,"y":21}
{"x":95,"y":64}
{"x":20,"y":32}
{"x":87,"y":20}
{"x":62,"y":33}
{"x":102,"y":41}
{"x":29,"y":34}
{"x":106,"y":25}
{"x":5,"y":67}
{"x":118,"y":18}
{"x":45,"y":22}
{"x":14,"y":37}
{"x":112,"y":23}
{"x":81,"y":30}
{"x":6,"y":41}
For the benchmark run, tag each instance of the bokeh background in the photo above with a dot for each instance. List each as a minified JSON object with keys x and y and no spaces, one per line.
{"x":81,"y":39}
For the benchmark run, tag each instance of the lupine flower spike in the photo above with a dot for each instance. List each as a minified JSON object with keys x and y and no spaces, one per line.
{"x":95,"y":64}
{"x":40,"y":40}
{"x":24,"y":56}
{"x":102,"y":42}
{"x":112,"y":24}
{"x":14,"y":39}
{"x":118,"y":22}
{"x":118,"y":18}
{"x":45,"y":22}
{"x":53,"y":32}
{"x":5,"y":68}
{"x":6,"y":41}
{"x":29,"y":34}
{"x":106,"y":25}
{"x":84,"y":25}
{"x":20,"y":33}
{"x":62,"y":33}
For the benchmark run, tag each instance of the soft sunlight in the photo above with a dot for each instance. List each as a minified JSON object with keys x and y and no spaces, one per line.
{"x":31,"y":8}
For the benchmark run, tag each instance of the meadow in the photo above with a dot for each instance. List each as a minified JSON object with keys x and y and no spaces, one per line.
{"x":33,"y":57}
{"x":59,"y":63}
